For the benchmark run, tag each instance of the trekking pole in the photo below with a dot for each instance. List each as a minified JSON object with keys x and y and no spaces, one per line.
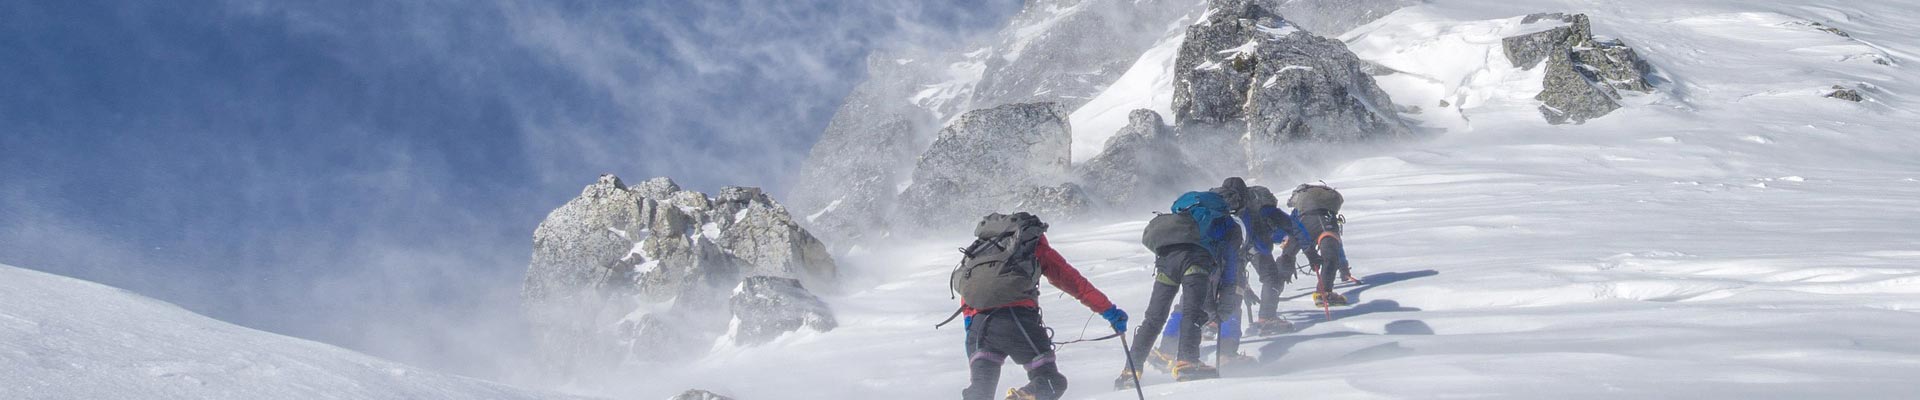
{"x":1132,"y":369}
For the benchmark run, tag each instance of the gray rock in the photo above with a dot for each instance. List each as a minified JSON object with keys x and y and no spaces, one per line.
{"x":850,"y":179}
{"x":1583,"y":75}
{"x":1249,"y":81}
{"x":1843,"y":93}
{"x":766,"y":307}
{"x":1062,"y":51}
{"x":622,"y":275}
{"x":1335,"y":17}
{"x":1067,"y":51}
{"x":760,"y":232}
{"x":983,"y":161}
{"x":1141,"y":165}
{"x":1063,"y":202}
{"x":697,"y":394}
{"x":658,"y":189}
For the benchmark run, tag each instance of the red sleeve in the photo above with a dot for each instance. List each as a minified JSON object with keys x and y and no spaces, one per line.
{"x":1063,"y":276}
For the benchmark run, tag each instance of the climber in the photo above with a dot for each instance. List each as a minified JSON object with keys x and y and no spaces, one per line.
{"x":998,"y":283}
{"x":1267,"y":225}
{"x":1191,"y":246}
{"x":1317,"y":207}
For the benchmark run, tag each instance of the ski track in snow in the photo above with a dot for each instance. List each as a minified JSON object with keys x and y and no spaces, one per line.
{"x":1733,"y":235}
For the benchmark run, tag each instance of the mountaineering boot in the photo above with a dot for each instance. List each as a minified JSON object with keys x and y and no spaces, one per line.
{"x":1020,"y":394}
{"x":1165,"y":359}
{"x":1126,"y":380}
{"x":1328,"y":299}
{"x":1272,"y":327}
{"x":1236,"y":360}
{"x":1193,"y":370}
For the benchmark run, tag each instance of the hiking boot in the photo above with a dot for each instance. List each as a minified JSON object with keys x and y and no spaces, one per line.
{"x":1165,"y":359}
{"x":1328,"y":299}
{"x":1127,"y":379}
{"x":1193,"y":370}
{"x":1272,"y":327}
{"x":1020,"y":394}
{"x":1237,"y":360}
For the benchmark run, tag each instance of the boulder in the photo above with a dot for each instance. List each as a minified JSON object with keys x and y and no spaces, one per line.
{"x":1140,"y":166}
{"x":847,"y":186}
{"x":1063,"y":202}
{"x":1583,"y":74}
{"x":765,"y":307}
{"x":1843,"y":93}
{"x":1250,"y":81}
{"x":697,"y":394}
{"x":984,"y":161}
{"x":761,"y":233}
{"x":622,"y":275}
{"x":1335,"y":17}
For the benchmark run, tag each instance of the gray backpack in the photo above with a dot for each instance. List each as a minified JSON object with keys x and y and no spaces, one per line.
{"x":1000,"y":267}
{"x":1165,"y":231}
{"x":1259,"y":197}
{"x":1310,"y":197}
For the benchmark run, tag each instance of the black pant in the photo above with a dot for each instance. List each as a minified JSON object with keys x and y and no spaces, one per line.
{"x":1273,"y":280}
{"x":1015,"y":332}
{"x":1187,"y":273}
{"x":1324,"y":229}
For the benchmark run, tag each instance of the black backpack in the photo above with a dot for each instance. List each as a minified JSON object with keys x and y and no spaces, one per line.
{"x":999,"y":268}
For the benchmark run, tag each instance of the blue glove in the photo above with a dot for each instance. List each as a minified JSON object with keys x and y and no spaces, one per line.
{"x":1116,"y":317}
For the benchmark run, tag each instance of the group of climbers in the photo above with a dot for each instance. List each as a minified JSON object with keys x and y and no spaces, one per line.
{"x":1201,"y":248}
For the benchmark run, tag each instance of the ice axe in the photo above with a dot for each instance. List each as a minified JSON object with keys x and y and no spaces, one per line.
{"x":1132,"y":369}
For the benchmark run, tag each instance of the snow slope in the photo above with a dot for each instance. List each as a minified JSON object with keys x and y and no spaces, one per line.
{"x":1733,"y":235}
{"x":63,"y":338}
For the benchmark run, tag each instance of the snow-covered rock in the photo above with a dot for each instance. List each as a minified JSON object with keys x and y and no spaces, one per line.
{"x":1141,"y":164}
{"x":1062,"y":202}
{"x":1067,"y":51}
{"x":765,"y":307}
{"x":65,"y":338}
{"x":984,"y":161}
{"x":1584,"y":74}
{"x":847,"y":186}
{"x":1245,"y":64}
{"x":697,"y":394}
{"x":1061,"y":51}
{"x":637,"y":274}
{"x":1333,"y":17}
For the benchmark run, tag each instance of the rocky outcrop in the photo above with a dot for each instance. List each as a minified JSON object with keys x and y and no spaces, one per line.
{"x":984,"y":161}
{"x":640,"y":274}
{"x":1061,"y":51}
{"x":1334,"y":17}
{"x":1139,"y":164}
{"x":1079,"y":48}
{"x":1248,"y":79}
{"x":766,"y":307}
{"x":1843,"y":93}
{"x":1063,"y":202}
{"x":697,"y":394}
{"x":847,"y":186}
{"x":1583,"y":74}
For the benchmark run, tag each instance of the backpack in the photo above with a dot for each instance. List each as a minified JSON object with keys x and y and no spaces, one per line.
{"x":1259,"y":197}
{"x":1315,"y":196}
{"x":1187,"y":224}
{"x":999,"y":268}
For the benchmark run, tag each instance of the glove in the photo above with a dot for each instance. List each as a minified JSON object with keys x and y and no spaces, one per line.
{"x":1116,"y":317}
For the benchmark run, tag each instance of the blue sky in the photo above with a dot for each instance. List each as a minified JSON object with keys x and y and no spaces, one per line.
{"x":368,"y":173}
